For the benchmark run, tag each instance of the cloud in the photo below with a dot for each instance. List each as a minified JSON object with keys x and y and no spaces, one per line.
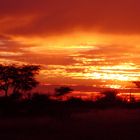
{"x":8,"y":44}
{"x":14,"y":50}
{"x":51,"y":17}
{"x":25,"y":37}
{"x":110,"y":54}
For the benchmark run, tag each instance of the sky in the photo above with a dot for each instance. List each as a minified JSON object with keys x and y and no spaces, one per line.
{"x":89,"y":45}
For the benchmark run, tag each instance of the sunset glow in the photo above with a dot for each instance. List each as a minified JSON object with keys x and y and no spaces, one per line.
{"x":80,"y":43}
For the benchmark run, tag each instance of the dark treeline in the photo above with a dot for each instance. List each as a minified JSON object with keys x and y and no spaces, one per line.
{"x":17,"y":82}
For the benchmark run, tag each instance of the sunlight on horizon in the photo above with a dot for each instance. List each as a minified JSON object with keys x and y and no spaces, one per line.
{"x":80,"y":58}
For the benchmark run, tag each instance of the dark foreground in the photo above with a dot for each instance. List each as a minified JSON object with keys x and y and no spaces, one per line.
{"x":96,"y":124}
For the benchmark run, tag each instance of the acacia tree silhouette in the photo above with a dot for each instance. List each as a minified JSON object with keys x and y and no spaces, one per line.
{"x":24,"y":78}
{"x":62,"y":91}
{"x":110,"y":96}
{"x":18,"y":78}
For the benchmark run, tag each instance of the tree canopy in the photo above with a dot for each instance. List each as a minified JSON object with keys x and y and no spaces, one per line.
{"x":18,"y":78}
{"x":62,"y":90}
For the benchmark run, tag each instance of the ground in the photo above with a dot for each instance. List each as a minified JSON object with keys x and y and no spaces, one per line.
{"x":108,"y":124}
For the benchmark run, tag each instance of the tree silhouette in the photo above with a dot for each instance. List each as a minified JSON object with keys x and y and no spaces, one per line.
{"x":18,"y":78}
{"x":24,"y":78}
{"x":6,"y":77}
{"x":62,"y":91}
{"x":110,"y":95}
{"x":137,"y":83}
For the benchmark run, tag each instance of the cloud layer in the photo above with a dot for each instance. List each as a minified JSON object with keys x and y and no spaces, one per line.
{"x":47,"y":17}
{"x":61,"y":36}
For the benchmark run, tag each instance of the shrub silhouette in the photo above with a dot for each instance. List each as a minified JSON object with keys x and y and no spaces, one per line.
{"x":109,"y":95}
{"x":15,"y":96}
{"x":137,"y":83}
{"x":110,"y":99}
{"x":40,"y":98}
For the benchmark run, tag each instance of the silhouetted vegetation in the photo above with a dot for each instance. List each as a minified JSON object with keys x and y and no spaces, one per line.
{"x":62,"y":91}
{"x":16,"y":80}
{"x":137,"y":83}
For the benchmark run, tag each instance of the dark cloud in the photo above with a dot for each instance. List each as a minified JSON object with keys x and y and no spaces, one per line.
{"x":45,"y":17}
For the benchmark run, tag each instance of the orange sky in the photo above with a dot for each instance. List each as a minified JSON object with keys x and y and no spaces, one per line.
{"x":83,"y":43}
